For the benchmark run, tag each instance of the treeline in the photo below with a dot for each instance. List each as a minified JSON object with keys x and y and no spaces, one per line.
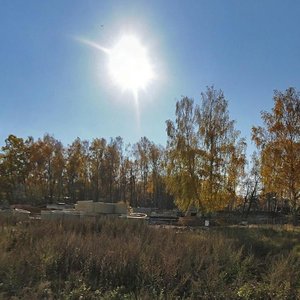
{"x":44,"y":171}
{"x":203,"y":164}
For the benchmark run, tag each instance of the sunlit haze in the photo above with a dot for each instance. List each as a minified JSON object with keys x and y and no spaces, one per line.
{"x":157,"y":51}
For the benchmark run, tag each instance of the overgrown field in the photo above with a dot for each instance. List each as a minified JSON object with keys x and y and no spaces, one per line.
{"x":120,"y":259}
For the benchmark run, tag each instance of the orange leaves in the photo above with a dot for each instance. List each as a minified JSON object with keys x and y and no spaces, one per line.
{"x":279,"y":141}
{"x":205,"y":155}
{"x":278,"y":108}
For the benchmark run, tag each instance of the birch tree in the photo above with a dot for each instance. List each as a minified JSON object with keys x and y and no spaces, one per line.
{"x":205,"y":153}
{"x":279,"y":142}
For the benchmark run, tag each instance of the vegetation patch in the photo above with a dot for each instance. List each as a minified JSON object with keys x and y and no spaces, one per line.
{"x":121,"y":259}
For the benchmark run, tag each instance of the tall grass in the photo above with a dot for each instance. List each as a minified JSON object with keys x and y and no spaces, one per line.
{"x":120,"y":259}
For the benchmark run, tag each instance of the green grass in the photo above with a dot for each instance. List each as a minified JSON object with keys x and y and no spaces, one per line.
{"x":120,"y":259}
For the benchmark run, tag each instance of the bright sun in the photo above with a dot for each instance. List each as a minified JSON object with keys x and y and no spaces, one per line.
{"x":129,"y":65}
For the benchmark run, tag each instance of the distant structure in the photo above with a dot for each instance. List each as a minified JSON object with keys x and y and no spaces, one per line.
{"x":86,"y":209}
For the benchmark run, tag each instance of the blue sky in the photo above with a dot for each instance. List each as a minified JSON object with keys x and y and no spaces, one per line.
{"x":51,"y":83}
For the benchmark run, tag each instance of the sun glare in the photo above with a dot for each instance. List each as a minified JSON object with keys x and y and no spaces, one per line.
{"x":129,"y":65}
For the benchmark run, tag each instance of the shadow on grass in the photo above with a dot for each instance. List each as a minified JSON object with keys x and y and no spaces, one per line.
{"x":262,"y":241}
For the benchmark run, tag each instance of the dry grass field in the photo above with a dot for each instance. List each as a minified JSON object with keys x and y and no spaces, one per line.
{"x":121,"y":259}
